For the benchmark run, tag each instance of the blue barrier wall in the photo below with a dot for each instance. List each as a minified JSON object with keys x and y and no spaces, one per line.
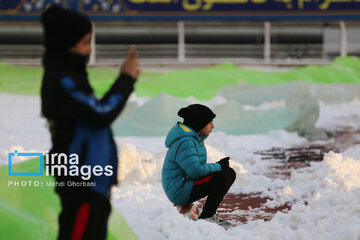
{"x":112,"y":10}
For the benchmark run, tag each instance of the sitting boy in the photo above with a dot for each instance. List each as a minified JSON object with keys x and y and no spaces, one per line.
{"x":186,"y":177}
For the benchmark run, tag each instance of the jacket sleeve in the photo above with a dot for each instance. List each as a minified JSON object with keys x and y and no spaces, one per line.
{"x":188,"y":159}
{"x":85,"y":107}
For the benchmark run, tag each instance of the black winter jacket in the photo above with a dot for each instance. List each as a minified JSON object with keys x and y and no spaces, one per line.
{"x":79,"y":122}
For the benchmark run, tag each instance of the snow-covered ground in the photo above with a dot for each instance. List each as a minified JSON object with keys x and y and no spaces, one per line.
{"x":21,"y":126}
{"x":325,"y":196}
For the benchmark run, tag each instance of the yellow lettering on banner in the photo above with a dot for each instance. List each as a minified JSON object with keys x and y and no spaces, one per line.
{"x":209,"y":3}
{"x":206,"y":5}
{"x":325,"y":5}
{"x":149,"y":1}
{"x":259,"y":1}
{"x":95,"y":7}
{"x":192,"y":6}
{"x":301,"y":3}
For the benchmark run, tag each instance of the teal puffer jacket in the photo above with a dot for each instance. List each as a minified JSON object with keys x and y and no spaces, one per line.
{"x":185,"y":162}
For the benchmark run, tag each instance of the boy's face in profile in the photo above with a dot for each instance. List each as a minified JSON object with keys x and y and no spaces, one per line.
{"x":83,"y":47}
{"x":206,"y":130}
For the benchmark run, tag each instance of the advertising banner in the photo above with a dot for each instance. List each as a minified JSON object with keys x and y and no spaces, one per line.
{"x":112,"y":10}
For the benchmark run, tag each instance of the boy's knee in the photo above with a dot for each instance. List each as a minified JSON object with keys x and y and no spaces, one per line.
{"x":221,"y":176}
{"x":232,"y":175}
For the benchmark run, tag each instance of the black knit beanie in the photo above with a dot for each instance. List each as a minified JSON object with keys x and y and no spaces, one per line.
{"x":196,"y":116}
{"x":63,"y":28}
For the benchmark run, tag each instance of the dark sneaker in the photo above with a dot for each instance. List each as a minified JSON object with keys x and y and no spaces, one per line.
{"x":218,"y":220}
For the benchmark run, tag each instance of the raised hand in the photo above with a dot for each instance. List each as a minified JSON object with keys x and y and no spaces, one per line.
{"x":131,"y":65}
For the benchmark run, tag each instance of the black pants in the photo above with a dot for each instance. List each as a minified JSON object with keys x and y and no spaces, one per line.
{"x":84,"y":217}
{"x":214,"y":186}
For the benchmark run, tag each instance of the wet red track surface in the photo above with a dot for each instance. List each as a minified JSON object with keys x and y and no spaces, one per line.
{"x":242,"y":208}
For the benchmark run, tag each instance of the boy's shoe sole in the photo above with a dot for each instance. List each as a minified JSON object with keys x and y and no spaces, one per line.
{"x":190,"y":210}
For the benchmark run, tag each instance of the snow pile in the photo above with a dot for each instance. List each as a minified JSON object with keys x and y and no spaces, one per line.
{"x":339,"y":114}
{"x":138,"y":166}
{"x":335,"y":216}
{"x":328,"y":194}
{"x":343,"y":172}
{"x":336,"y":173}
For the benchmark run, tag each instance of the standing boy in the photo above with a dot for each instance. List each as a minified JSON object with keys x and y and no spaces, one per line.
{"x":79,"y":123}
{"x":186,"y":177}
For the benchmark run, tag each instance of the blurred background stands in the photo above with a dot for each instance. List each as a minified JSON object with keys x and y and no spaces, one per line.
{"x":192,"y":38}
